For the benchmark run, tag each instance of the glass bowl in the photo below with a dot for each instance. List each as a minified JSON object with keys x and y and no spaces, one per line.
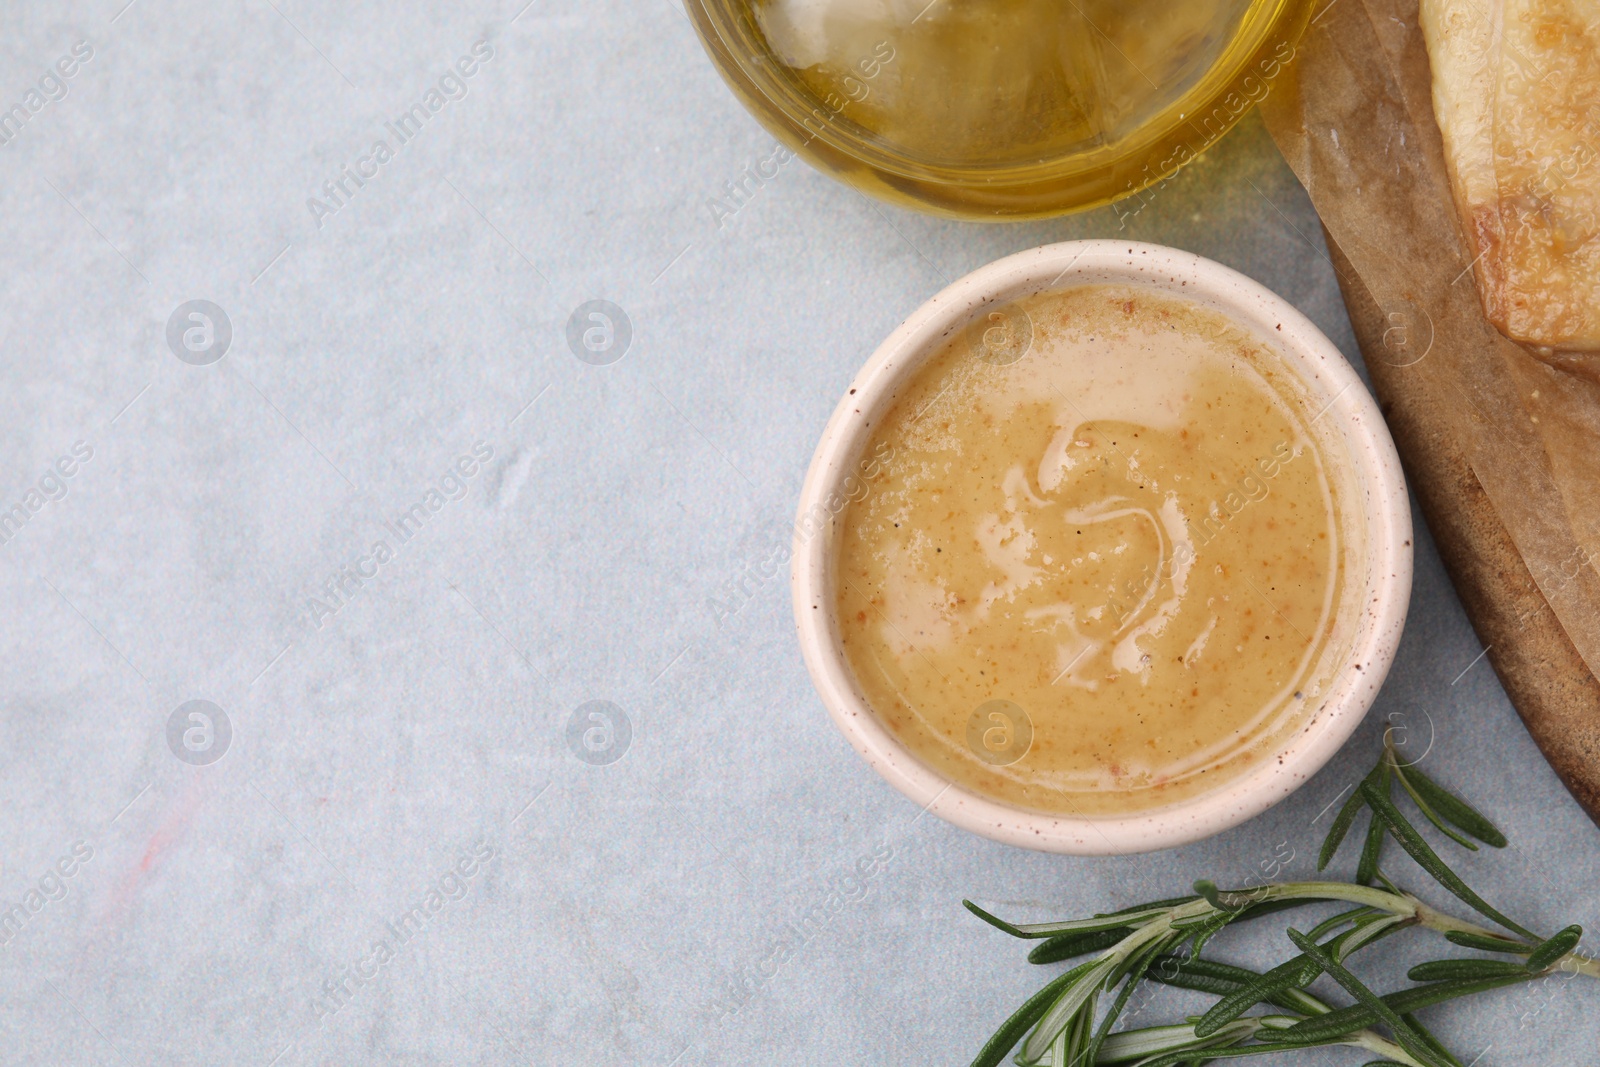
{"x":999,"y":109}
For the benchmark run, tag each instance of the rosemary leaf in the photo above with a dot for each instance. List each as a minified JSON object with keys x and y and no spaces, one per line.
{"x":1141,"y":1045}
{"x":1151,"y":1041}
{"x":1112,"y":1014}
{"x":1203,"y":976}
{"x":1341,"y":826}
{"x":1208,"y":889}
{"x":1135,"y":974}
{"x":1221,"y":979}
{"x":1280,"y":984}
{"x":1140,"y":959}
{"x":1456,"y":810}
{"x":1383,"y":809}
{"x":1327,"y":926}
{"x":1042,"y":930}
{"x":1404,"y":1035}
{"x":1251,"y":909}
{"x":1487,"y":942}
{"x":1205,"y":1054}
{"x":1071,"y":946}
{"x":1378,"y":781}
{"x":1427,"y":810}
{"x":1367,"y":868}
{"x":1374,"y":929}
{"x":1432,"y":1042}
{"x":1465,"y":970}
{"x":1268,"y":907}
{"x":1410,"y":1001}
{"x":1005,"y":1039}
{"x":1058,"y":1047}
{"x":1205,"y":933}
{"x":1342,"y":822}
{"x":1292,"y":974}
{"x":1072,"y":997}
{"x":1546,"y":955}
{"x":1405,"y":1002}
{"x":1153,"y":905}
{"x":1079,"y":1034}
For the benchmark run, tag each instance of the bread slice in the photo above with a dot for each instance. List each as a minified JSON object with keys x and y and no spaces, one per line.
{"x":1516,"y":90}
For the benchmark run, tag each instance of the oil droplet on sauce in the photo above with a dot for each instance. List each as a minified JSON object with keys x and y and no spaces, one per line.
{"x":1132,"y":533}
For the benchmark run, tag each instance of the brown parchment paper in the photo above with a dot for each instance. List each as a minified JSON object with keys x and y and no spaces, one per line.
{"x":1502,"y":447}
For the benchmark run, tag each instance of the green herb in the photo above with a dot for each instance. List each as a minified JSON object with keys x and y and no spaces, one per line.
{"x":1548,"y":954}
{"x":1162,"y":941}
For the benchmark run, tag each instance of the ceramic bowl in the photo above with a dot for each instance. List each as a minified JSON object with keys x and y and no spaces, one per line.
{"x":1330,"y":382}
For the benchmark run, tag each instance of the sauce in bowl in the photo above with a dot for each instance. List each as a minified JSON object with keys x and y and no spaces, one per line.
{"x":1101,"y":567}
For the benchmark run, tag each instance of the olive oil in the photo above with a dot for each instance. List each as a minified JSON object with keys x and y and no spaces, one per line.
{"x":1000,"y":108}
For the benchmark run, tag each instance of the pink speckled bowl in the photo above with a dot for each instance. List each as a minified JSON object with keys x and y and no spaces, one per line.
{"x":1329,"y":380}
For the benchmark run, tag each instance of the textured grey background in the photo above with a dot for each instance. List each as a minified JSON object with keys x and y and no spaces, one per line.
{"x":625,"y":903}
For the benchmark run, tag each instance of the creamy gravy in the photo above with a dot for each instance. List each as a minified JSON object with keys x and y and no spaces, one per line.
{"x":1101,"y":568}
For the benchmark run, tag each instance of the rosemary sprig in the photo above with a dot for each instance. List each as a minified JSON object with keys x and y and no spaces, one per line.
{"x":1162,"y":941}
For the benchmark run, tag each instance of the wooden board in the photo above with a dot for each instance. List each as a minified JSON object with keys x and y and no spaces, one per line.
{"x":1501,"y":443}
{"x":1548,"y":683}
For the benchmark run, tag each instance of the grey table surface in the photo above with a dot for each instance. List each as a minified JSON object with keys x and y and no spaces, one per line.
{"x":606,"y":542}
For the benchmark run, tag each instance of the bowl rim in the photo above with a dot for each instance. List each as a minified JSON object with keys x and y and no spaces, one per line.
{"x":1322,"y":370}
